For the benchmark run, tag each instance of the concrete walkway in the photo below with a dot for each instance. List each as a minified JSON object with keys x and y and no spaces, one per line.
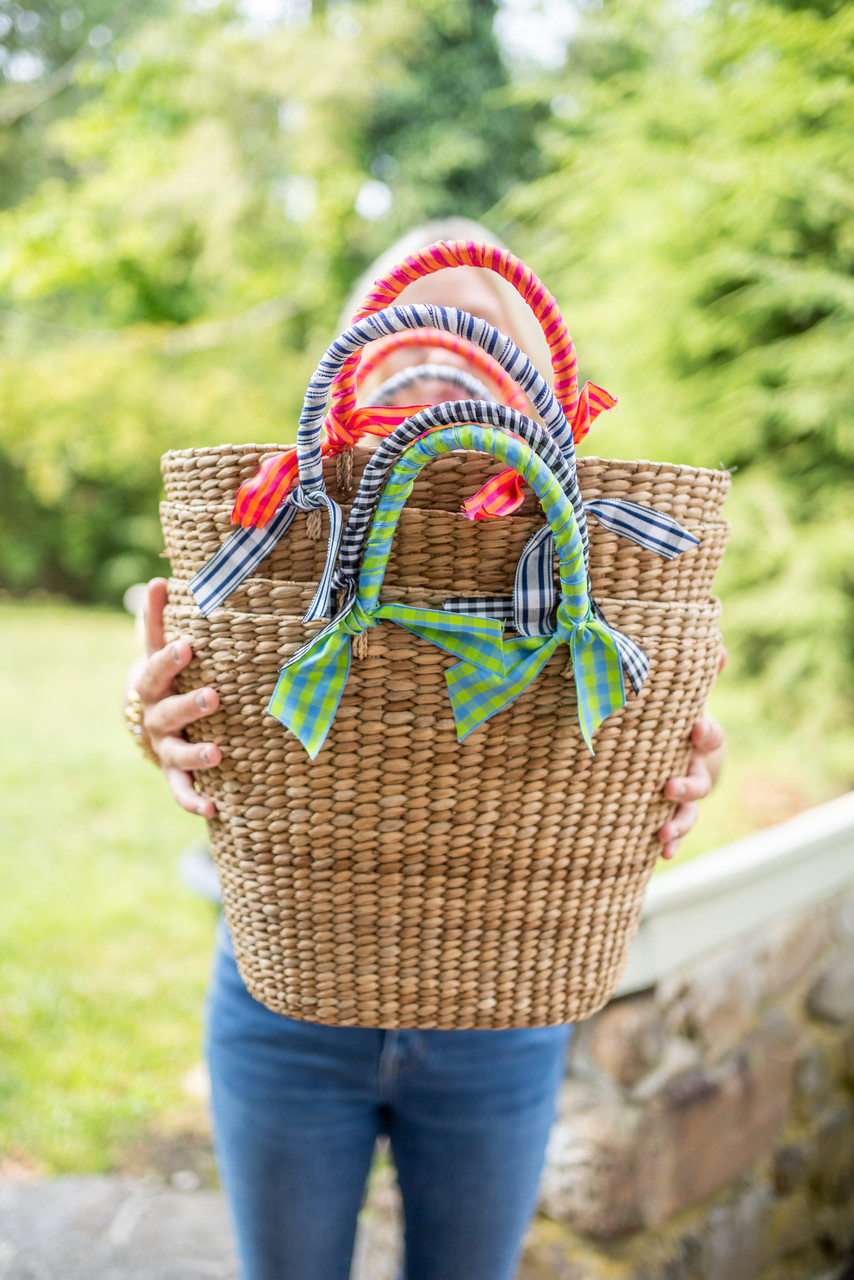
{"x":111,"y":1228}
{"x":122,"y":1228}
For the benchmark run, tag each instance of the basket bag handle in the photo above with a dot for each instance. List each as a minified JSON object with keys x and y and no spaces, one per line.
{"x":447,"y":373}
{"x":264,"y":514}
{"x":438,"y":340}
{"x":532,"y":604}
{"x":450,"y":413}
{"x":504,"y":494}
{"x":258,"y":499}
{"x":446,"y":254}
{"x":277,"y":473}
{"x":491,"y":672}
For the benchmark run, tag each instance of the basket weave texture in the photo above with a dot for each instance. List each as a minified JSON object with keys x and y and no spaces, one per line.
{"x":405,"y":879}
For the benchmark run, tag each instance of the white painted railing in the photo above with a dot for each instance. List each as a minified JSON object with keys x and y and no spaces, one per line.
{"x":726,"y":894}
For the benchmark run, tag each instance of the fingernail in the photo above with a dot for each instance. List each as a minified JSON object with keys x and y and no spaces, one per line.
{"x":203,"y":756}
{"x":201,"y":810}
{"x":703,"y":726}
{"x":201,"y":701}
{"x":680,"y":791}
{"x":176,"y":656}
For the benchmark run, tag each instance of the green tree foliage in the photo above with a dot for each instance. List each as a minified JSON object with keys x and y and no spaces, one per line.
{"x":454,"y":72}
{"x":176,"y":267}
{"x":44,"y":46}
{"x":696,"y":220}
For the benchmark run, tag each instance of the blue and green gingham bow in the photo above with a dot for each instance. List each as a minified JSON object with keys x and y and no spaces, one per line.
{"x":310,"y":685}
{"x":491,"y":673}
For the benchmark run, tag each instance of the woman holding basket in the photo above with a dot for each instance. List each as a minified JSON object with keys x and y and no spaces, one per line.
{"x":297,"y":1106}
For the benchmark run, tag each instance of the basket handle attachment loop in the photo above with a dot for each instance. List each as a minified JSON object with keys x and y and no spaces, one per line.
{"x":491,"y":672}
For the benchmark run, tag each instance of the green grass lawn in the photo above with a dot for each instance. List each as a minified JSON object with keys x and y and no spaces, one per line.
{"x":105,"y":953}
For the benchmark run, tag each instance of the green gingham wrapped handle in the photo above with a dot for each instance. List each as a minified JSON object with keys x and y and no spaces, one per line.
{"x":530,"y":608}
{"x":447,"y":414}
{"x":492,"y":672}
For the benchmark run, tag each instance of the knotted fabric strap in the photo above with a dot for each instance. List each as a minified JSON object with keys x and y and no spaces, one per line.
{"x":648,"y":528}
{"x":596,"y":666}
{"x":319,"y":607}
{"x":310,"y":686}
{"x":531,"y":607}
{"x":237,"y":558}
{"x":258,"y":498}
{"x":241,"y":554}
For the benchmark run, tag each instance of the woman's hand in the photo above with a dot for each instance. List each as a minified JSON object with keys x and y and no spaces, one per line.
{"x":703,"y":770}
{"x":166,"y":713}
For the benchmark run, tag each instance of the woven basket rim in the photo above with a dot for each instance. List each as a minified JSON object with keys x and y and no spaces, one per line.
{"x":633,"y":464}
{"x":710,"y":607}
{"x":193,"y":507}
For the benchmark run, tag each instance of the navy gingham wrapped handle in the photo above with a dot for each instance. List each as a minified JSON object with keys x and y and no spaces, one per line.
{"x":245,"y":549}
{"x":419,"y":316}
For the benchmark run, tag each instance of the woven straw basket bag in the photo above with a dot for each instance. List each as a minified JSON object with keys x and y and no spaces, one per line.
{"x":404,"y":877}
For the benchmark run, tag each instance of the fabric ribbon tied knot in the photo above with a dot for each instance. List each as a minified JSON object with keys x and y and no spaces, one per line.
{"x":310,"y":685}
{"x":596,"y":667}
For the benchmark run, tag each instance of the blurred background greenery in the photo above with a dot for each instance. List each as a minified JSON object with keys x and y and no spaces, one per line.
{"x":187,"y":191}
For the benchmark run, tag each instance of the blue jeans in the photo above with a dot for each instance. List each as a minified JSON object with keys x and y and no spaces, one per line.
{"x":297,"y":1109}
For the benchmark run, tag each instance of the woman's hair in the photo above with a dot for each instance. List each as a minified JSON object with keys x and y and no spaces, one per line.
{"x":523,"y":326}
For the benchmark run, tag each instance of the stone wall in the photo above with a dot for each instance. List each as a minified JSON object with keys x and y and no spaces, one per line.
{"x":706,"y":1127}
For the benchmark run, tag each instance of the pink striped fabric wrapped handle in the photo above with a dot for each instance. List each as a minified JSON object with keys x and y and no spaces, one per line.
{"x":469,"y":253}
{"x":438,"y":340}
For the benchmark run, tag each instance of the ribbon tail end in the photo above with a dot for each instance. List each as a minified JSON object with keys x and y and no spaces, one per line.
{"x":311,"y":744}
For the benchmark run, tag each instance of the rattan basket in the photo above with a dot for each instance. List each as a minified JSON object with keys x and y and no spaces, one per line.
{"x":404,"y":878}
